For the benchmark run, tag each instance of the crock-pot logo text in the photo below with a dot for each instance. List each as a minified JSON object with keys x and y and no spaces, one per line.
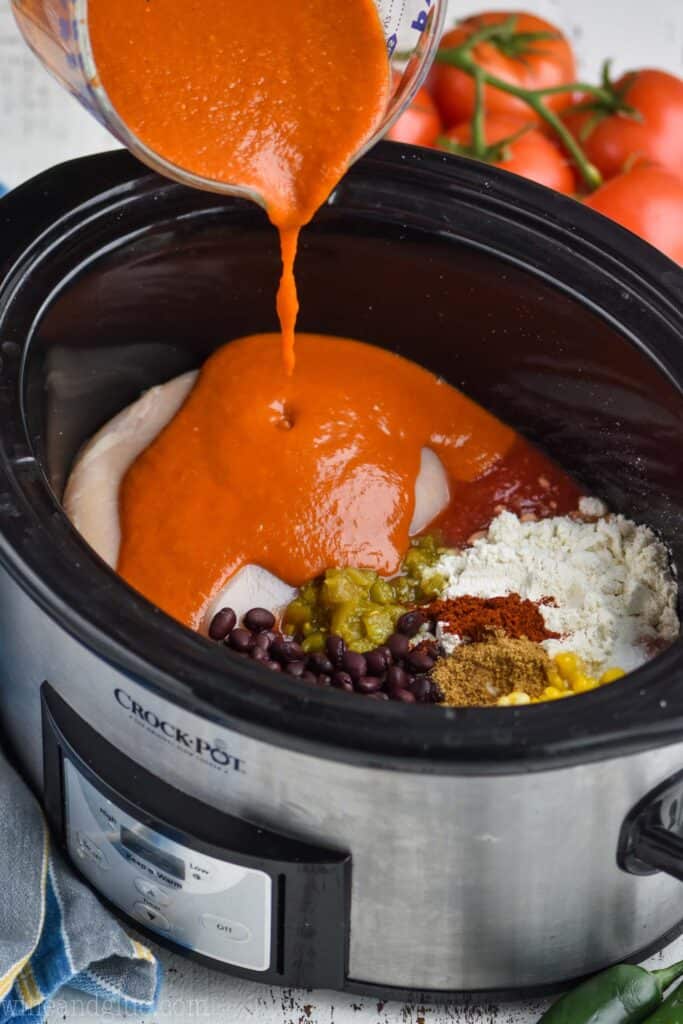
{"x":214,"y":752}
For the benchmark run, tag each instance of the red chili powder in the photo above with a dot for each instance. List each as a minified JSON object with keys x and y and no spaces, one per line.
{"x":476,"y":617}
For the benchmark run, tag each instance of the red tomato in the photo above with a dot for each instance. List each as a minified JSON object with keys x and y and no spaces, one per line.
{"x":647,"y":200}
{"x":419,"y":124}
{"x":545,"y":63}
{"x":615,"y":138}
{"x":533,"y":154}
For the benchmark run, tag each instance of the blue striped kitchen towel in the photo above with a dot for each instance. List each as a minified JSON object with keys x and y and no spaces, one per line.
{"x":53,"y":929}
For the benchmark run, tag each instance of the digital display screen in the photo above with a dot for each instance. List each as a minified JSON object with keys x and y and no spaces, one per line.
{"x":161,"y":859}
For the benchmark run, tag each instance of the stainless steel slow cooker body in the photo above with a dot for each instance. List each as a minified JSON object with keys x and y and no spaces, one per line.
{"x":453,"y":850}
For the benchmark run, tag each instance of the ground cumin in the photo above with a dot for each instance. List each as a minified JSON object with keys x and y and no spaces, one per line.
{"x":475,"y":617}
{"x":477,"y":674}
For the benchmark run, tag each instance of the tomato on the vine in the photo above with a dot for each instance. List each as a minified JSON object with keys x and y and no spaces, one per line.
{"x":522,"y":61}
{"x":419,"y":124}
{"x":528,"y":152}
{"x":647,"y":200}
{"x":653,"y":132}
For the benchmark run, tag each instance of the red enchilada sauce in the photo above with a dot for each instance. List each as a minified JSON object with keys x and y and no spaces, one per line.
{"x":297,"y":474}
{"x":274,"y":96}
{"x":524,"y":481}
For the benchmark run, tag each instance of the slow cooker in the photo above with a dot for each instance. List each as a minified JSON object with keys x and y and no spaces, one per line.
{"x":290,"y":834}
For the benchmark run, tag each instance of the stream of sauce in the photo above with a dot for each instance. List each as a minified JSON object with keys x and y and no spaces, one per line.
{"x":274,"y":96}
{"x":296,"y":474}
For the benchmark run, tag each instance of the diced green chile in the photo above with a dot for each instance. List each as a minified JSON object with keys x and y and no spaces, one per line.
{"x":625,"y":994}
{"x":358,"y":604}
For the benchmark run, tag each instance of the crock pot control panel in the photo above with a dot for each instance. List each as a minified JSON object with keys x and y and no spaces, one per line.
{"x":208,"y":905}
{"x":259,"y":903}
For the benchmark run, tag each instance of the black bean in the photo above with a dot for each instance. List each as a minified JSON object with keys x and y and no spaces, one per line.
{"x":420,"y":661}
{"x":295,"y":668}
{"x":258,"y":654}
{"x":399,"y":646}
{"x":404,"y":695}
{"x":259,"y":619}
{"x":377,"y":660}
{"x":222,"y":623}
{"x":319,"y":662}
{"x":421,"y":688}
{"x":354,"y":664}
{"x":274,"y":666}
{"x":241,"y":639}
{"x":397,"y":678}
{"x":324,"y":680}
{"x":263,"y":640}
{"x":410,"y":623}
{"x":342,"y":681}
{"x":377,"y":696}
{"x":335,"y":647}
{"x":286,"y":650}
{"x":308,"y":677}
{"x":368,"y":684}
{"x":279,"y":648}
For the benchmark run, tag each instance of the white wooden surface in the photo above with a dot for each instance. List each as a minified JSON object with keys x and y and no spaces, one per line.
{"x":41,"y":126}
{"x":194,"y":995}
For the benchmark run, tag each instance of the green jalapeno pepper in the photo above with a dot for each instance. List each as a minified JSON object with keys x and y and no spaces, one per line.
{"x":670,"y":1011}
{"x":625,"y":994}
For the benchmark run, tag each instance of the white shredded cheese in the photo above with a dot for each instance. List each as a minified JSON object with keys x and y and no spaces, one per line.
{"x":611,"y":581}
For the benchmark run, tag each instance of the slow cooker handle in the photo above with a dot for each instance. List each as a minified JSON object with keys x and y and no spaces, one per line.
{"x":652,"y":836}
{"x":660,"y":849}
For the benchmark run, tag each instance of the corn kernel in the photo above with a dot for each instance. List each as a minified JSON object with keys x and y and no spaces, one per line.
{"x":514,"y":699}
{"x":551,"y":693}
{"x":518,"y":697}
{"x":611,"y":674}
{"x":556,"y":694}
{"x":568,"y":665}
{"x":583,"y":684}
{"x":555,"y":679}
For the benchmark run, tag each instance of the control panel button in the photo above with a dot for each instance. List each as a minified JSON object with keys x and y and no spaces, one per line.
{"x":89,"y":850}
{"x":150,"y":916}
{"x":152,"y":893}
{"x":107,"y":819}
{"x":232,"y":930}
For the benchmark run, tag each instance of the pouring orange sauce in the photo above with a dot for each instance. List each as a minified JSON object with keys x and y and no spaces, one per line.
{"x":296,"y":474}
{"x":274,"y":96}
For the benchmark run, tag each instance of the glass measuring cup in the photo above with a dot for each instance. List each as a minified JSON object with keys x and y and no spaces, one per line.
{"x":57,"y":32}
